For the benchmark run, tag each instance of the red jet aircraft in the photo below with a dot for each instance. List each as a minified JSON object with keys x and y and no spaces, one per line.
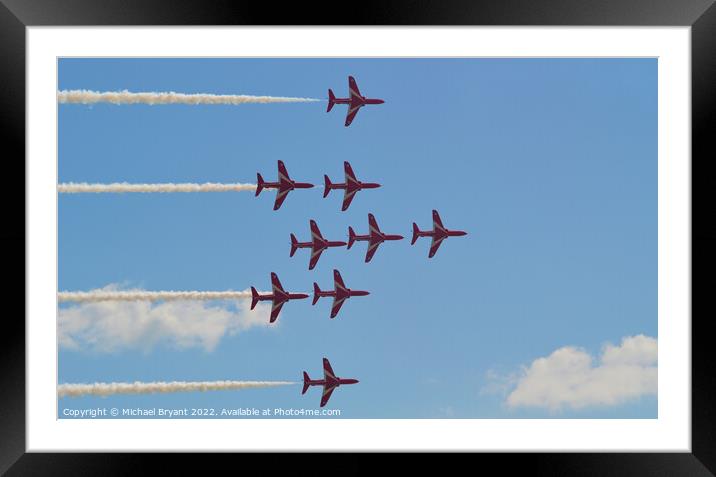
{"x":350,"y":186}
{"x":284,"y":185}
{"x":354,"y":102}
{"x":374,"y":238}
{"x":317,"y":245}
{"x":439,"y":233}
{"x":329,"y":382}
{"x":278,"y":297}
{"x":340,"y":293}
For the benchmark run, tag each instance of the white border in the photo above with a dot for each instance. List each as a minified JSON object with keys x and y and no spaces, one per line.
{"x":670,"y":432}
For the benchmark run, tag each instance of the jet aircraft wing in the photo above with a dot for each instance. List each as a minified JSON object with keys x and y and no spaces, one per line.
{"x":275,"y":283}
{"x":348,"y":198}
{"x":337,"y":304}
{"x":372,"y":248}
{"x":315,"y":231}
{"x":275,"y":310}
{"x":280,"y":197}
{"x":373,"y":224}
{"x":352,"y":111}
{"x":327,"y":391}
{"x":338,"y":280}
{"x":434,"y":245}
{"x":315,"y":255}
{"x":328,"y":370}
{"x":353,"y":88}
{"x":349,"y":174}
{"x":282,"y":172}
{"x":437,"y":223}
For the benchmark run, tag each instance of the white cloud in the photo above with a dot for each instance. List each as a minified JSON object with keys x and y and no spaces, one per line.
{"x":635,"y":350}
{"x":107,"y":327}
{"x":571,"y":378}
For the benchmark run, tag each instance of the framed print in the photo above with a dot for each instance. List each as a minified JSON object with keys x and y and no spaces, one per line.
{"x":466,"y":228}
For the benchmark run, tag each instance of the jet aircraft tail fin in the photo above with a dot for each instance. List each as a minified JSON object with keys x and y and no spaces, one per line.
{"x":259,"y":183}
{"x":254,"y":297}
{"x":306,"y":380}
{"x":331,"y":100}
{"x":316,"y":293}
{"x":351,"y":237}
{"x":327,"y":184}
{"x":416,"y":231}
{"x":294,"y":245}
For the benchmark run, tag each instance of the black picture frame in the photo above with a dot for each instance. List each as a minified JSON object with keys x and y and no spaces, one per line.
{"x":16,"y":15}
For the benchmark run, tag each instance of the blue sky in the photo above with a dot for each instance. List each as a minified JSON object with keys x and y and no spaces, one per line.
{"x":550,"y":165}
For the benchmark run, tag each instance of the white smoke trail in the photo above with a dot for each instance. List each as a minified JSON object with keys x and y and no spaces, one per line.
{"x":83,"y":96}
{"x":106,"y":389}
{"x":141,"y":295}
{"x":115,"y":326}
{"x":122,"y":187}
